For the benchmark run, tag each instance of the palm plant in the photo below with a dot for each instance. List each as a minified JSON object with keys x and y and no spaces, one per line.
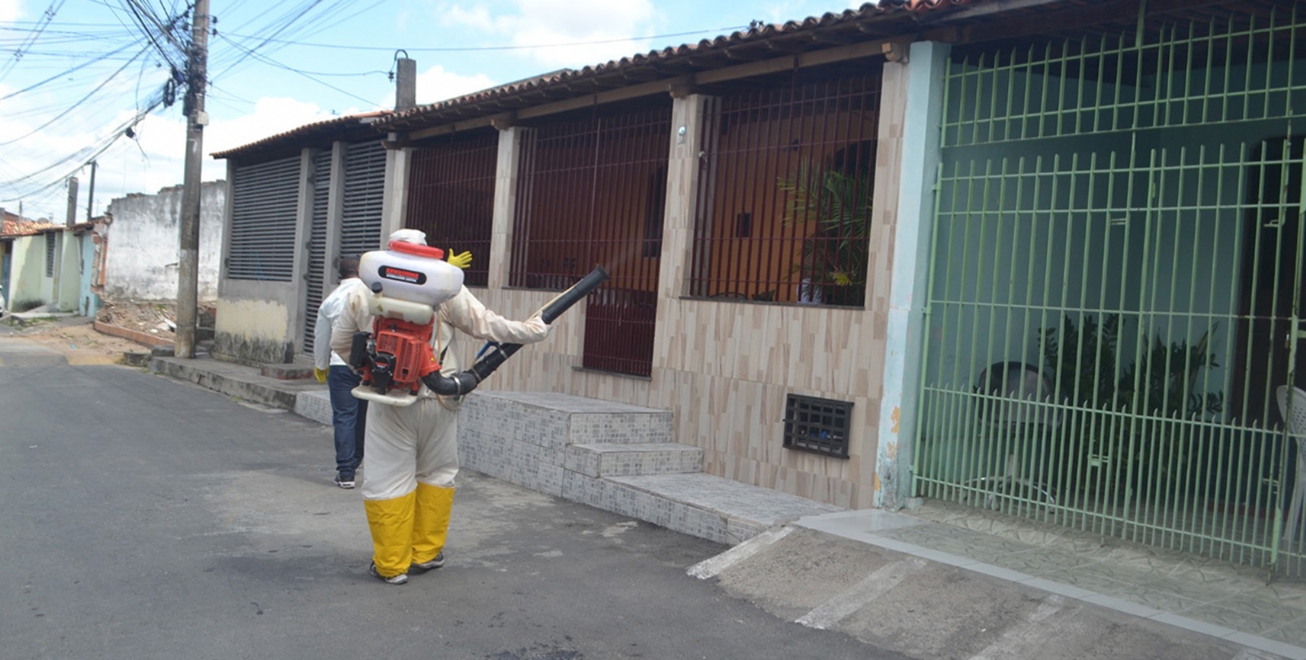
{"x":835,"y":208}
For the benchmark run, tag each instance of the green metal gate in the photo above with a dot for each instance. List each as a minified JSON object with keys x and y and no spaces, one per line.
{"x":1116,"y":283}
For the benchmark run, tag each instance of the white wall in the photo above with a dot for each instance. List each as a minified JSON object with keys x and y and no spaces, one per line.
{"x":143,"y":241}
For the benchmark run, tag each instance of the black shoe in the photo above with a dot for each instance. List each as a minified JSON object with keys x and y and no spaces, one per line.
{"x":418,"y":569}
{"x":344,"y":482}
{"x":402,"y":578}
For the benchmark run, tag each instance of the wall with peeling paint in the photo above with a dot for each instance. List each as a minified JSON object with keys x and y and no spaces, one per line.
{"x":141,"y":262}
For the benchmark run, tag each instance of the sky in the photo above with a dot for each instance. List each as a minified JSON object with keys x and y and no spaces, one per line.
{"x":76,"y":75}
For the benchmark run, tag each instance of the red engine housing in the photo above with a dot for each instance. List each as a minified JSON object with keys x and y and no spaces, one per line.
{"x":402,"y":355}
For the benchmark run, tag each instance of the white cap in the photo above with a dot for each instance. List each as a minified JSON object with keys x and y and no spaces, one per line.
{"x":409,"y":236}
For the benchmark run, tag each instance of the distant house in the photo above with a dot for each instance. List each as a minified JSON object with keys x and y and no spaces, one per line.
{"x":35,"y":264}
{"x":1041,"y":257}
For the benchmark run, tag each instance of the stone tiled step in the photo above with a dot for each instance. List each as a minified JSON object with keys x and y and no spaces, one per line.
{"x":314,"y":405}
{"x":627,"y":460}
{"x":554,"y":421}
{"x":701,"y":505}
{"x":235,"y":380}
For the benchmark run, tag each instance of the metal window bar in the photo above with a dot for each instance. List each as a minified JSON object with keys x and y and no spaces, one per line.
{"x":1095,"y":83}
{"x":50,"y":239}
{"x":591,"y":188}
{"x":360,"y":222}
{"x":784,"y":201}
{"x":315,"y":279}
{"x":817,"y":425}
{"x":265,"y":198}
{"x":451,"y":196}
{"x":1143,"y":282}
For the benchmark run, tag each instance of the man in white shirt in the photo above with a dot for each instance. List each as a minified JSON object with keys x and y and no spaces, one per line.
{"x":348,"y":415}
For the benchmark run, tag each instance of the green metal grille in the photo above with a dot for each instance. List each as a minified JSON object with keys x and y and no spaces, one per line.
{"x":1115,"y":284}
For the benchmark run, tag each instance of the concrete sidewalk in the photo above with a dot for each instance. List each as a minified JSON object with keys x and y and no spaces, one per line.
{"x":1135,"y":591}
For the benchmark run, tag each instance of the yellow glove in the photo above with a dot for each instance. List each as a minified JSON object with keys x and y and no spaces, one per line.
{"x":460,"y":260}
{"x":319,"y":374}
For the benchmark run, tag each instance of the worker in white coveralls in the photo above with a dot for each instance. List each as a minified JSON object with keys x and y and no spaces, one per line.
{"x":412,"y":452}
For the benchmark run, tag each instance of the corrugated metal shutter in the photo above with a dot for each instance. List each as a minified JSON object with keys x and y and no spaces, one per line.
{"x":263,"y":209}
{"x":360,"y":226}
{"x":317,"y":246}
{"x":49,"y":254}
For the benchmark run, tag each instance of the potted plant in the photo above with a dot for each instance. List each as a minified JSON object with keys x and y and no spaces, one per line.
{"x":1162,"y":382}
{"x":834,"y":209}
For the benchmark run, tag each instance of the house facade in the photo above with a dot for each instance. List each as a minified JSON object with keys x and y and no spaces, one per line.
{"x":1038,"y":257}
{"x":40,"y":264}
{"x":297,"y":202}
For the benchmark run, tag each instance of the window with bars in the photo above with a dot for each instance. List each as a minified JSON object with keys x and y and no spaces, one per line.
{"x":264,"y":207}
{"x":817,"y":425}
{"x":360,"y":222}
{"x":451,"y":196}
{"x":591,"y":191}
{"x":50,"y":240}
{"x":784,"y":198}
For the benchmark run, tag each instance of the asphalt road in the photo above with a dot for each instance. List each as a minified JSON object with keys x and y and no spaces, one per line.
{"x":146,"y":518}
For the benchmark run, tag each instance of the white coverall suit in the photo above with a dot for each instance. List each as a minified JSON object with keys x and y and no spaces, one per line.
{"x":412,"y":451}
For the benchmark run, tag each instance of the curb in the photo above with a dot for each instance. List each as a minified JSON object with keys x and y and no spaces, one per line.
{"x":143,"y":338}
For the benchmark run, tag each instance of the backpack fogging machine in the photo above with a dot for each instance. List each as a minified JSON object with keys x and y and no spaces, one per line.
{"x":408,"y":283}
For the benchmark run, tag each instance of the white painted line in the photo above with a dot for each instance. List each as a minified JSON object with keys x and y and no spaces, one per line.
{"x":710,"y":568}
{"x":873,"y":586}
{"x":1017,"y":641}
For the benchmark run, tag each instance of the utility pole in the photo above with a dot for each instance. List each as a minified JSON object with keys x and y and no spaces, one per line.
{"x":90,"y":195}
{"x":70,"y":217}
{"x":196,"y":120}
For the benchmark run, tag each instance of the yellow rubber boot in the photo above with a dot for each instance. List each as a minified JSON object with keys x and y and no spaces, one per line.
{"x":430,"y":524}
{"x":392,"y":532}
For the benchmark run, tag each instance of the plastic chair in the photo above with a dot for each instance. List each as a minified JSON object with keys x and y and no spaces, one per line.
{"x":1021,"y":410}
{"x":1297,"y":429}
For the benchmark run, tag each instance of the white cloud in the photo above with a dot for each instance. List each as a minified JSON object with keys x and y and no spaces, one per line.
{"x":436,"y":84}
{"x":271,"y":115}
{"x":153,"y":159}
{"x":549,"y":22}
{"x":10,"y":10}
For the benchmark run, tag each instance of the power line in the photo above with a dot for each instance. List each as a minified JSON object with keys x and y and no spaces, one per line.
{"x":141,"y":14}
{"x":46,"y":17}
{"x":74,"y":106}
{"x":65,"y":72}
{"x":272,"y":62}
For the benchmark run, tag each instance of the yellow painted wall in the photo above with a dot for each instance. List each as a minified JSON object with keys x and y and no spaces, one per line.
{"x":252,"y":319}
{"x":27,"y":271}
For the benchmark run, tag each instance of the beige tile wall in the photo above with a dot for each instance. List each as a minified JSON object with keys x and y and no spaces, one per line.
{"x":725,"y":368}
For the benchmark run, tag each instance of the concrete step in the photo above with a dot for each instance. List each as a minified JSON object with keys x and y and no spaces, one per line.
{"x":235,"y":380}
{"x":554,"y":421}
{"x":314,"y":405}
{"x":628,"y":460}
{"x":702,"y":505}
{"x":290,"y":371}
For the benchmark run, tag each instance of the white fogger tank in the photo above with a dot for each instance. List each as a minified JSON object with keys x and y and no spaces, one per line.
{"x":408,"y":282}
{"x":411,"y":273}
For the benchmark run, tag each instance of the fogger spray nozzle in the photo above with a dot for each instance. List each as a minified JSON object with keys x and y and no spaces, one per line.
{"x":466,"y":381}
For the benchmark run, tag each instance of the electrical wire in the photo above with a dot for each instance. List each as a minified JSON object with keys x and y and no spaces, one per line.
{"x":66,"y":72}
{"x":272,"y":62}
{"x":144,"y":17}
{"x":46,"y":17}
{"x":63,"y":114}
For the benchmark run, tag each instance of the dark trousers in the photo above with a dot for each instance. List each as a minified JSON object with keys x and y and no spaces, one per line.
{"x":349,"y":416}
